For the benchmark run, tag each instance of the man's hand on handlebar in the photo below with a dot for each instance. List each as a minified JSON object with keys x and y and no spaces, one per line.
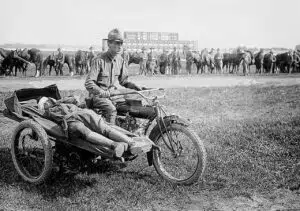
{"x":114,"y":92}
{"x":142,"y":88}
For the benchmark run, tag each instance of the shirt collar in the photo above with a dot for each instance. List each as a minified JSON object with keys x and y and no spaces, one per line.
{"x":111,"y":57}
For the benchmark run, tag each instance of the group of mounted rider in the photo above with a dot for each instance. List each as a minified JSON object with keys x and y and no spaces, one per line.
{"x":215,"y":61}
{"x":151,"y":62}
{"x":18,"y":61}
{"x":265,"y":61}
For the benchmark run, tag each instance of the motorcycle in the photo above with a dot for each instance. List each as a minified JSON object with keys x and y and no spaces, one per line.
{"x":182,"y":156}
{"x":39,"y":146}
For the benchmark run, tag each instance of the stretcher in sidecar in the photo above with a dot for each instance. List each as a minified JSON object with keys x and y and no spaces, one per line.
{"x":40,"y":145}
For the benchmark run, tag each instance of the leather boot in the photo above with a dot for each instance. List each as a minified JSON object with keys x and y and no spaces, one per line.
{"x":118,"y":136}
{"x":118,"y":147}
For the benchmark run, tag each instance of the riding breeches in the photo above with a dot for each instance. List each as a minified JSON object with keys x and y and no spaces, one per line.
{"x":107,"y":108}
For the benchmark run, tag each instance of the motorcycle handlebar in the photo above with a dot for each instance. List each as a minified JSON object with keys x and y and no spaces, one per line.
{"x":141,"y":93}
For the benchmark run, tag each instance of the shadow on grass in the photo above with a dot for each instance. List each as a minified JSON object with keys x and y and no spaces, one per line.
{"x":60,"y":184}
{"x":259,"y":154}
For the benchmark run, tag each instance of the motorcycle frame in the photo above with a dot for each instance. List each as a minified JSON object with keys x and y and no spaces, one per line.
{"x":159,"y":121}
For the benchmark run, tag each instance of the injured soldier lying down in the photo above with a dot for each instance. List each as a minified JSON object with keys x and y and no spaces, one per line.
{"x":86,"y":124}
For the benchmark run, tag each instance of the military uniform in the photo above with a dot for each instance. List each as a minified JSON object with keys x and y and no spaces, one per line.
{"x":90,"y":57}
{"x":85,"y":124}
{"x":143,"y":62}
{"x":163,"y":62}
{"x":106,"y":69}
{"x":296,"y":61}
{"x":175,"y":62}
{"x":126,"y":57}
{"x":219,"y":61}
{"x":60,"y":60}
{"x":189,"y":62}
{"x":151,"y":62}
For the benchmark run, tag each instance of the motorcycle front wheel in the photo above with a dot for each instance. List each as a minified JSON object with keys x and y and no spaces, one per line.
{"x":182,"y":156}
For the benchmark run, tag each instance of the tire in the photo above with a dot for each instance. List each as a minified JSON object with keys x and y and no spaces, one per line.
{"x":24,"y":154}
{"x":160,"y":159}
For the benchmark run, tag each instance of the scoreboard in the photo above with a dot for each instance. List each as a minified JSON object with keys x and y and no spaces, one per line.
{"x":157,"y":40}
{"x":150,"y":36}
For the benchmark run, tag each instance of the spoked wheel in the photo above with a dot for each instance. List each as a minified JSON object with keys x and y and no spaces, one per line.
{"x":182,"y":158}
{"x":31,"y":152}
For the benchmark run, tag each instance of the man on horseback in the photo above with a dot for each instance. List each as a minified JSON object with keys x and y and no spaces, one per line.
{"x":106,"y":69}
{"x":60,"y":60}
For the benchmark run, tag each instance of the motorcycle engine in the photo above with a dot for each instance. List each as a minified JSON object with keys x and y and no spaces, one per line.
{"x":128,"y":123}
{"x":69,"y":158}
{"x":74,"y":161}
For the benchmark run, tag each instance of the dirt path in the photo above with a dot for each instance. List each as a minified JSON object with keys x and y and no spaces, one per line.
{"x":67,"y":83}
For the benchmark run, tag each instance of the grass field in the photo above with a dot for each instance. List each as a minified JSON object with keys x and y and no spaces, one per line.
{"x":252,"y":137}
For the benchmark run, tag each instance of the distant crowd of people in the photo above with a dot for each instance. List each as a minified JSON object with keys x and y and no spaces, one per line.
{"x":214,"y":61}
{"x":152,"y":61}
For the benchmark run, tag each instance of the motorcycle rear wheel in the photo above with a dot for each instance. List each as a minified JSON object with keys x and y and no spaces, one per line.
{"x":181,"y":161}
{"x":31,"y":152}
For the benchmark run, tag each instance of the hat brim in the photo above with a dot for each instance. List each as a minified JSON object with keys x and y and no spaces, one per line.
{"x":114,"y":40}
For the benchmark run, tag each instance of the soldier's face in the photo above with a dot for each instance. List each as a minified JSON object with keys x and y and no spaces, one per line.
{"x":115,"y":47}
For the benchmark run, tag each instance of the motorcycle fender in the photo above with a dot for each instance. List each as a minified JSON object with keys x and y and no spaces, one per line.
{"x":155,"y":131}
{"x":150,"y":157}
{"x":176,"y":119}
{"x":167,"y":120}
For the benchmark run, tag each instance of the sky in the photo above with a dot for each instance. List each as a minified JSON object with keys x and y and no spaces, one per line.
{"x":213,"y":23}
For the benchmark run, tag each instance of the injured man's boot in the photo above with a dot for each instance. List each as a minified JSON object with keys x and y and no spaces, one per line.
{"x":137,"y":145}
{"x":140,"y":145}
{"x":119,"y":148}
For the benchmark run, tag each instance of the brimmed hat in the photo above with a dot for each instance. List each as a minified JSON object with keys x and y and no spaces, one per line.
{"x":115,"y":35}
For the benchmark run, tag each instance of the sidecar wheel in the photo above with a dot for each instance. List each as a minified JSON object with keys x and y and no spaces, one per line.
{"x":183,"y":159}
{"x":31,"y":152}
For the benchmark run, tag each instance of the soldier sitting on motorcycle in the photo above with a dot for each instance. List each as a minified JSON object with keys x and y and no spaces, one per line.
{"x":86,"y":124}
{"x":105,"y":70}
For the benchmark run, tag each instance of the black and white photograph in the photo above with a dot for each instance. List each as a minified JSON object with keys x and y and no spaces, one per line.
{"x":150,"y":105}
